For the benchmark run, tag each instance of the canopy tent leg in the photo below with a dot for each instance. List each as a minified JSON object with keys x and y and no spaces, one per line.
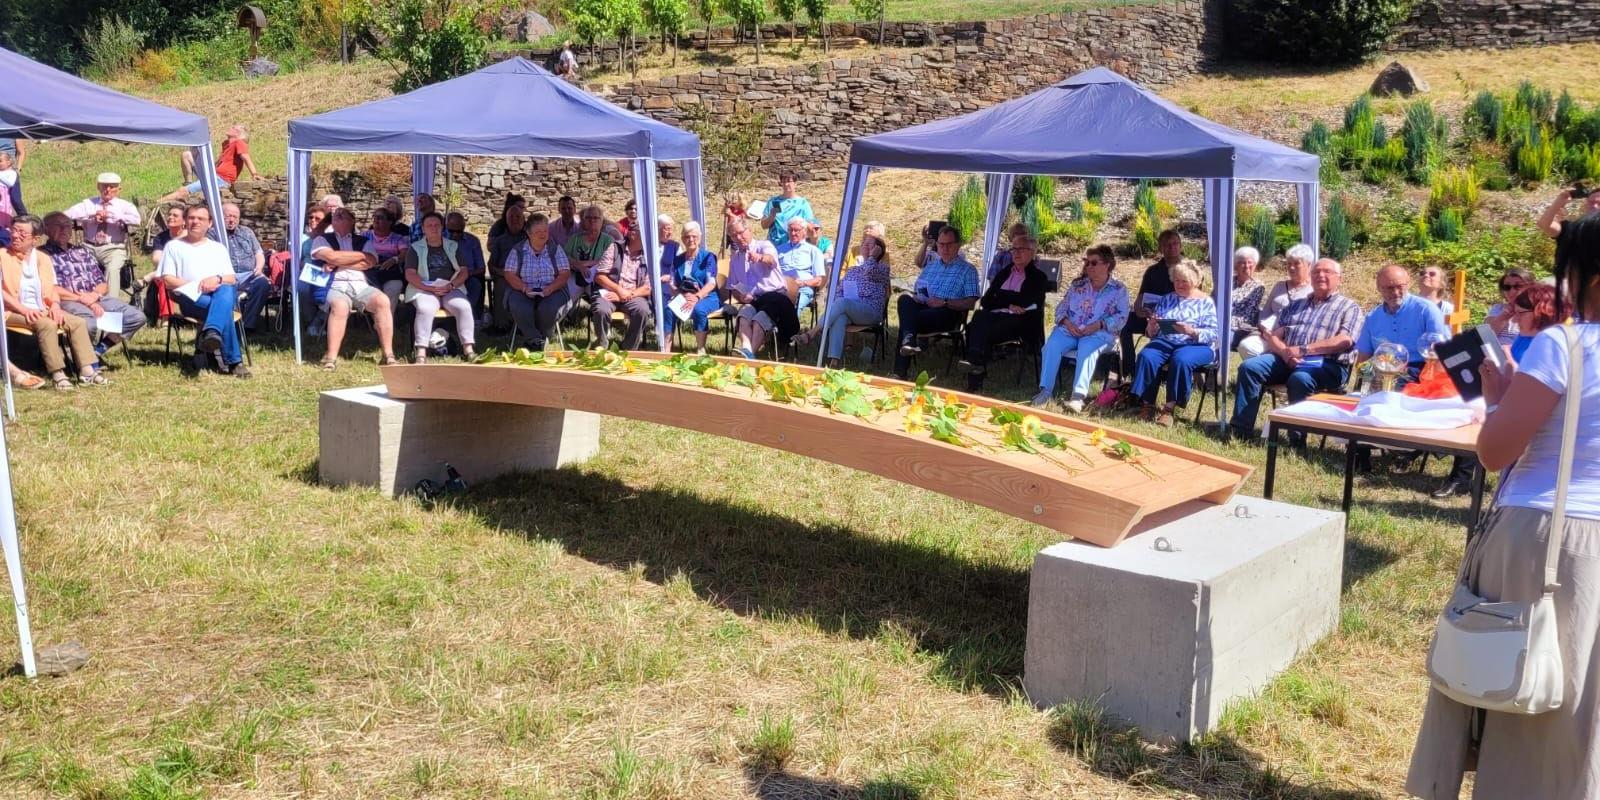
{"x":206,"y":165}
{"x":299,"y":184}
{"x":13,"y":552}
{"x":644,"y":196}
{"x":422,"y":167}
{"x":447,"y":189}
{"x":1000,"y":185}
{"x":855,"y":185}
{"x":5,"y":357}
{"x":1310,"y":214}
{"x":694,"y":185}
{"x":1221,"y":206}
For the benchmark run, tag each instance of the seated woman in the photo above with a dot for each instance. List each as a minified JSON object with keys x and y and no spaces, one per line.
{"x":1182,"y":330}
{"x":536,"y":275}
{"x":694,"y":286}
{"x":1012,"y":308}
{"x":1087,"y":321}
{"x":1533,"y":310}
{"x":390,"y":246}
{"x":862,"y":297}
{"x":435,"y":278}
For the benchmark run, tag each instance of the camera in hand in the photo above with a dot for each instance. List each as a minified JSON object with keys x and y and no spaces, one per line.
{"x":1581,"y":192}
{"x":931,"y":233}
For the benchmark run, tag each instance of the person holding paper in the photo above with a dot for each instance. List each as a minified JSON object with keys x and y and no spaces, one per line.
{"x":801,"y":262}
{"x":625,"y":287}
{"x":1297,"y":286}
{"x":32,"y":301}
{"x":1012,"y":308}
{"x":345,"y":257}
{"x":1303,"y":350}
{"x":862,"y":297}
{"x":199,"y":277}
{"x":1087,"y":319}
{"x":1153,"y":286}
{"x":81,"y":285}
{"x":537,"y":271}
{"x":693,"y":293}
{"x":435,"y":279}
{"x":1183,"y":337}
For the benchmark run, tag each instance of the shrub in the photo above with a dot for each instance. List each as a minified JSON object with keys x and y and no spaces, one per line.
{"x":1485,"y":117}
{"x":1532,"y":153}
{"x":1582,"y":163}
{"x":1568,"y":113}
{"x":1294,"y":30}
{"x":1318,"y":140}
{"x":1144,"y":198}
{"x":153,"y":66}
{"x":1028,"y":187}
{"x":967,"y":209}
{"x":1586,"y":130}
{"x":1037,"y":217}
{"x":1358,"y":112}
{"x":1144,"y":232}
{"x":1260,"y":231}
{"x":730,"y":144}
{"x":110,"y":45}
{"x":1337,"y":239}
{"x":1446,"y":226}
{"x":1424,"y":145}
{"x":1095,"y":189}
{"x":1539,"y":103}
{"x":1454,"y":188}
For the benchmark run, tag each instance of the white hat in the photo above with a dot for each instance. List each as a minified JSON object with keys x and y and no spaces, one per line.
{"x":108,"y":177}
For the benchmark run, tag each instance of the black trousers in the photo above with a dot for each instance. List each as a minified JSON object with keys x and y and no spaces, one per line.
{"x":987,"y":329}
{"x":916,"y":318}
{"x":780,"y":309}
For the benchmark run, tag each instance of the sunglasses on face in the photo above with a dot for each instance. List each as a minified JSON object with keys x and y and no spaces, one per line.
{"x":1511,"y":287}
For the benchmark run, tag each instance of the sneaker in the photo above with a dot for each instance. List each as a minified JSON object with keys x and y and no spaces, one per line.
{"x":101,"y":347}
{"x":908,"y":346}
{"x":964,"y":364}
{"x":1075,"y":405}
{"x":1041,"y":398}
{"x":241,"y":371}
{"x":744,"y":353}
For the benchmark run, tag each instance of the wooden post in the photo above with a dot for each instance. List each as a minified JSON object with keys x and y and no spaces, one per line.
{"x":1458,"y":318}
{"x":253,"y":20}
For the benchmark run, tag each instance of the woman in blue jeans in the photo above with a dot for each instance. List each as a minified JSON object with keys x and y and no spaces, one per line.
{"x":1183,"y":335}
{"x":694,"y":278}
{"x":862,"y":298}
{"x":1087,"y":321}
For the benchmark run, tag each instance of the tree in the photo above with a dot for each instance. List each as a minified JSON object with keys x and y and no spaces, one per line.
{"x":817,"y":12}
{"x":427,"y":41}
{"x":669,"y":18}
{"x":707,"y":10}
{"x":868,"y":9}
{"x":750,"y":13}
{"x":788,"y":10}
{"x":1344,"y":32}
{"x":624,"y":18}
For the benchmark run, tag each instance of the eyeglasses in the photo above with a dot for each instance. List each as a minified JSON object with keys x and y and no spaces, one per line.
{"x":1511,"y":287}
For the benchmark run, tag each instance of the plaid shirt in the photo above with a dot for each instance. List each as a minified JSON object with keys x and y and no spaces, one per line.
{"x":77,"y":270}
{"x":537,"y":270}
{"x":1306,"y":320}
{"x":953,"y":281}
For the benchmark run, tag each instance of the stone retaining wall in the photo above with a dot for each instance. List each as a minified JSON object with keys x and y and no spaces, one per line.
{"x":1497,"y":23}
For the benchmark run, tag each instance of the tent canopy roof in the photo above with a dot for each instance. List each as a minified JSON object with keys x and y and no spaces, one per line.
{"x":1096,"y":123}
{"x":41,"y":102}
{"x":513,"y":108}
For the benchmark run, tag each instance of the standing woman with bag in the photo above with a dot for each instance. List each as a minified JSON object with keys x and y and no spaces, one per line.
{"x":1553,"y":755}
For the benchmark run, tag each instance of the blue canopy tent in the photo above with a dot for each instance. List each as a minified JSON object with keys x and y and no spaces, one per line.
{"x":45,"y":104}
{"x":1094,"y":124}
{"x":514,"y":108}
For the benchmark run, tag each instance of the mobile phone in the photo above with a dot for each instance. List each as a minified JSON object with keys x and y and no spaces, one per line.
{"x":1580,"y":192}
{"x":931,"y":233}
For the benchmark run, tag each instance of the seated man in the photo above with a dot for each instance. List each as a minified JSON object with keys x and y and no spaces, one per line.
{"x":105,"y":219}
{"x":470,"y":251}
{"x":31,"y":301}
{"x":801,"y":262}
{"x":624,"y":287}
{"x":946,"y":290}
{"x":347,"y":255}
{"x":1303,"y":349}
{"x":81,"y":286}
{"x":1402,"y":319}
{"x":199,"y":278}
{"x":762,"y":291}
{"x":249,"y":267}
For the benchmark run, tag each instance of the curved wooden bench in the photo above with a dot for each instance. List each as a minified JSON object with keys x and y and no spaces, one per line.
{"x":1098,"y":504}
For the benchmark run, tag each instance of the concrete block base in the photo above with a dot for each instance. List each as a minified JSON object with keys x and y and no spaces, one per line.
{"x":369,"y":439}
{"x":1165,"y":639}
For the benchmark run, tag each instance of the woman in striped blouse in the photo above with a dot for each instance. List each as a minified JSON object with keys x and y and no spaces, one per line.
{"x":1183,"y":332}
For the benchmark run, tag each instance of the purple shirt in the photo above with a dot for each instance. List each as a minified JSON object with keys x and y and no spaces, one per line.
{"x":757,"y":278}
{"x":871,"y":279}
{"x":77,"y":270}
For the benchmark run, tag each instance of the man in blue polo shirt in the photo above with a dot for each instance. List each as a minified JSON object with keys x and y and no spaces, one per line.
{"x":1402,"y":319}
{"x":801,"y":261}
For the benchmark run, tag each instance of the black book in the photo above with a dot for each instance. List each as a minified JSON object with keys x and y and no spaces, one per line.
{"x":1464,"y":355}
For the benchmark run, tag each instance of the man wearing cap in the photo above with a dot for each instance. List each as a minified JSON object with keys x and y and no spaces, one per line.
{"x":105,"y":220}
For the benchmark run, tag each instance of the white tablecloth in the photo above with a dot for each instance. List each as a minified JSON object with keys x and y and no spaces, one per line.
{"x":1395,"y":410}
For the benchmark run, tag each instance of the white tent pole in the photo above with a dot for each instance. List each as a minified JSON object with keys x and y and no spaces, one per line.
{"x":206,"y":166}
{"x":13,"y":551}
{"x":1221,"y":199}
{"x":855,"y":185}
{"x":299,"y":184}
{"x":5,"y":356}
{"x":694,"y":184}
{"x":422,"y":170}
{"x":644,"y":196}
{"x":999,"y":202}
{"x":1311,"y":214}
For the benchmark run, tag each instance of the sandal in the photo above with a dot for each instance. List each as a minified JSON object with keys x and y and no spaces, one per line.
{"x":94,"y":379}
{"x":1164,"y":419}
{"x":420,"y":357}
{"x":329,"y":364}
{"x":388,"y":361}
{"x":64,"y":384}
{"x":469,"y":355}
{"x":31,"y":381}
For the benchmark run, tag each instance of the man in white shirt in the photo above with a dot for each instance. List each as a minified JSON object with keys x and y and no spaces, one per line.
{"x":199,"y":277}
{"x":348,"y":255}
{"x":105,"y":220}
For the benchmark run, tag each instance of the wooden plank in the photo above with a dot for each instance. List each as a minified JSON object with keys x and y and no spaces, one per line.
{"x":1098,"y":503}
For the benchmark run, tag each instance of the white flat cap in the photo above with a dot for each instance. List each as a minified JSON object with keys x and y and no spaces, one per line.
{"x":108,"y":177}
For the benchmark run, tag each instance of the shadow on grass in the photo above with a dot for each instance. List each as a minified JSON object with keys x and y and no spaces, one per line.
{"x":780,"y":785}
{"x":971,"y":617}
{"x":1214,"y":766}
